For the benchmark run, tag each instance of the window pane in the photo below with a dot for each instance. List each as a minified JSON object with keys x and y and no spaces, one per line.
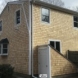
{"x":0,"y":25}
{"x":58,"y":46}
{"x":45,"y":15}
{"x":18,"y":17}
{"x":0,"y":49}
{"x":4,"y":45}
{"x":45,"y":18}
{"x":75,"y":18}
{"x":4,"y":51}
{"x":75,"y":24}
{"x":52,"y":44}
{"x":45,"y":12}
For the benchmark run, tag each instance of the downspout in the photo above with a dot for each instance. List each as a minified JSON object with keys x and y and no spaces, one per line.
{"x":29,"y":27}
{"x":31,"y":17}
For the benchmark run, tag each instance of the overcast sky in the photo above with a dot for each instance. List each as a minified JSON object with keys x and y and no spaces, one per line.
{"x":68,"y":3}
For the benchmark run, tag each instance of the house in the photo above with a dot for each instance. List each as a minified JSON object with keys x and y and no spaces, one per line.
{"x":35,"y":38}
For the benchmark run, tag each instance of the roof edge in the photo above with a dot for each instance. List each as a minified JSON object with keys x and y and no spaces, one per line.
{"x":41,"y":3}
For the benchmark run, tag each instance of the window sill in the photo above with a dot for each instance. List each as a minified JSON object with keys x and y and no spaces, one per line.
{"x":3,"y":54}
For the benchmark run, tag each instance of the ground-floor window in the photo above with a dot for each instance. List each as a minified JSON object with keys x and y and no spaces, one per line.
{"x":56,"y":45}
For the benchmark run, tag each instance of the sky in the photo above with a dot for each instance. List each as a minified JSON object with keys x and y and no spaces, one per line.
{"x":71,"y":4}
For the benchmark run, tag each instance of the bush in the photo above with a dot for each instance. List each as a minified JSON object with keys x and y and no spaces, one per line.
{"x":6,"y":71}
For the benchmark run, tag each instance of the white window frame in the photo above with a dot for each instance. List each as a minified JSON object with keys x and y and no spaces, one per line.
{"x":74,"y":21}
{"x":55,"y":44}
{"x":49,"y":15}
{"x":3,"y":48}
{"x":16,"y":25}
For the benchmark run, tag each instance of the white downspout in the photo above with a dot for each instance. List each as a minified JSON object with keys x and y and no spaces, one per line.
{"x":30,"y":44}
{"x":30,"y":18}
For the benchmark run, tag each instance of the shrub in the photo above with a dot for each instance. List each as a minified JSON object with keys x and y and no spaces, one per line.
{"x":6,"y":71}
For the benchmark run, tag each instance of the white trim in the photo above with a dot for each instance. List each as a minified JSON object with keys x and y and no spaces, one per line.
{"x":58,"y":41}
{"x":43,"y":22}
{"x":74,"y":21}
{"x":49,"y":61}
{"x":32,"y":44}
{"x":30,"y":38}
{"x":4,"y":54}
{"x":17,"y":25}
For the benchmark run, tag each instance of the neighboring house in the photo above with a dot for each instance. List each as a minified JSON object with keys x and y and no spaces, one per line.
{"x":28,"y":28}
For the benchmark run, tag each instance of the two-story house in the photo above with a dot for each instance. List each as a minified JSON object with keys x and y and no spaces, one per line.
{"x":35,"y":37}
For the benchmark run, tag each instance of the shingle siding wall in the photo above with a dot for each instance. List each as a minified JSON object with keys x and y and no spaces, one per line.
{"x":18,"y":50}
{"x":60,"y":65}
{"x":60,"y":28}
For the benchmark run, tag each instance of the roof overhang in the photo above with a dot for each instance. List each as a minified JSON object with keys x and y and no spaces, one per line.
{"x":4,"y":41}
{"x":48,"y":5}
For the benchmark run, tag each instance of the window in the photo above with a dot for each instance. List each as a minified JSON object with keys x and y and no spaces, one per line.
{"x":55,"y":45}
{"x":18,"y":17}
{"x":45,"y":15}
{"x":0,"y":25}
{"x":3,"y":49}
{"x":75,"y":21}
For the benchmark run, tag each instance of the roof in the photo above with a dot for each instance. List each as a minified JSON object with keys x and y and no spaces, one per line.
{"x":48,"y":5}
{"x":12,"y":2}
{"x":45,"y":4}
{"x":3,"y":41}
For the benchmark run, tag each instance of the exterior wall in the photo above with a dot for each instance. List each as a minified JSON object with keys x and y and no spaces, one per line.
{"x":60,"y":28}
{"x":18,"y":36}
{"x":59,"y":65}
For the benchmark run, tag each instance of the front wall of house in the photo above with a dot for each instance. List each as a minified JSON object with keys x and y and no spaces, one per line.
{"x":18,"y":48}
{"x":60,"y":28}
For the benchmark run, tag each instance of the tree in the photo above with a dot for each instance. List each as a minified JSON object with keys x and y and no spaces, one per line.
{"x":55,"y":2}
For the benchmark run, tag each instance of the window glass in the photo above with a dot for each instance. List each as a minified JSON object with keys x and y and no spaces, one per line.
{"x":4,"y":51}
{"x":0,"y":25}
{"x":75,"y":21}
{"x":52,"y":43}
{"x":5,"y":48}
{"x":18,"y":17}
{"x":4,"y":45}
{"x":58,"y":46}
{"x":0,"y":49}
{"x":45,"y":15}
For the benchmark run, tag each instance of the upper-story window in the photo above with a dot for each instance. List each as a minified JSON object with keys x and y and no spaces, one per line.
{"x":45,"y":15}
{"x":18,"y":17}
{"x":0,"y":25}
{"x":75,"y":21}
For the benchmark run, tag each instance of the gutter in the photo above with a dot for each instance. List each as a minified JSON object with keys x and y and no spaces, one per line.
{"x":58,"y":8}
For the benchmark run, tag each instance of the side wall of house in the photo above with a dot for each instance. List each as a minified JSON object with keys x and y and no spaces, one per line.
{"x":18,"y":36}
{"x":60,"y":65}
{"x":60,"y":28}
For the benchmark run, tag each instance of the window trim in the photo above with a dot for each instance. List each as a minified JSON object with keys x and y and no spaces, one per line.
{"x":49,"y":15}
{"x":55,"y":44}
{"x":74,"y":21}
{"x":3,"y":54}
{"x":16,"y":25}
